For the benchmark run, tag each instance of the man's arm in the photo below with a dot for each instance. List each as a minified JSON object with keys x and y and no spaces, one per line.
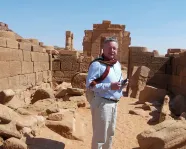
{"x":94,"y":73}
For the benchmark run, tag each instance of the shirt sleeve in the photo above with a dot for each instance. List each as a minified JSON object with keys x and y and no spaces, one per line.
{"x":94,"y":73}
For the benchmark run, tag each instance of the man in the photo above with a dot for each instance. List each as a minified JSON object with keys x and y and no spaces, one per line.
{"x":106,"y":95}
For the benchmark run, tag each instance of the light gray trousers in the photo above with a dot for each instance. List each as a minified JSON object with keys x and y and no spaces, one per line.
{"x":104,"y":113}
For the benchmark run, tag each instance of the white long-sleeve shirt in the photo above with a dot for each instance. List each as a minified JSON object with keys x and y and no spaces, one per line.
{"x":103,"y":89}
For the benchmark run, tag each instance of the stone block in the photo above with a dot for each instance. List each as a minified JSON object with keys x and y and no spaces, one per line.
{"x":35,"y":56}
{"x":39,"y":57}
{"x":41,"y":43}
{"x":17,"y":55}
{"x":68,"y":58}
{"x":24,"y":46}
{"x":15,"y":68}
{"x":168,"y":69}
{"x":182,"y":81}
{"x":134,"y":49}
{"x":174,"y":89}
{"x":67,"y":52}
{"x":69,"y":74}
{"x":11,"y":44}
{"x":14,"y":82}
{"x":76,"y":67}
{"x":2,"y":42}
{"x":56,"y":65}
{"x":34,"y":41}
{"x":58,"y":73}
{"x":156,"y":68}
{"x":182,"y":71}
{"x":66,"y":66}
{"x":36,"y":48}
{"x":39,"y":78}
{"x":141,"y":58}
{"x":84,"y":67}
{"x":49,"y":75}
{"x":4,"y":83}
{"x":5,"y":54}
{"x":178,"y":69}
{"x":45,"y":76}
{"x":26,"y":56}
{"x":160,"y":60}
{"x":175,"y":80}
{"x":31,"y":79}
{"x":5,"y":69}
{"x":23,"y":80}
{"x":151,"y":94}
{"x":44,"y":57}
{"x":41,"y":66}
{"x":174,"y":51}
{"x":27,"y":67}
{"x":159,"y":81}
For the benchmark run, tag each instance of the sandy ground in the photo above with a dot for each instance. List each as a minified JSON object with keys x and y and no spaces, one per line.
{"x":128,"y":126}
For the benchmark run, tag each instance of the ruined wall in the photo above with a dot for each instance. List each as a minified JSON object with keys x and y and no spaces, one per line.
{"x":93,"y":39}
{"x":160,"y":66}
{"x":24,"y":64}
{"x":177,"y":85}
{"x":166,"y":72}
{"x":67,"y":64}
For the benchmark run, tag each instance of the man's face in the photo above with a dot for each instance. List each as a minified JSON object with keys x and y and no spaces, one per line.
{"x":110,"y":50}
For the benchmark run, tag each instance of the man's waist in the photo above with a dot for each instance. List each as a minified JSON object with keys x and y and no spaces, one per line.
{"x":110,"y":99}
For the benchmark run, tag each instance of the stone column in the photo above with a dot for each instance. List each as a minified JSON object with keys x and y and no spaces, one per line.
{"x":68,"y":45}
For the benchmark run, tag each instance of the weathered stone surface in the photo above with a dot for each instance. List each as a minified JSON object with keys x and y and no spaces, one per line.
{"x":75,"y":91}
{"x":2,"y":42}
{"x":9,"y":130}
{"x":151,"y":94}
{"x":79,"y":80}
{"x":61,"y":93}
{"x":6,"y":95}
{"x":80,"y":100}
{"x":42,"y":94}
{"x":138,"y":81}
{"x":56,"y":65}
{"x":7,"y":34}
{"x":178,"y":105}
{"x":4,"y":66}
{"x":7,"y":115}
{"x":25,"y":46}
{"x":166,"y":135}
{"x":13,"y":143}
{"x":70,"y":127}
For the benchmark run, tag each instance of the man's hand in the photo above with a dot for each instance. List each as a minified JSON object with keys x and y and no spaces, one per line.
{"x":125,"y":83}
{"x":115,"y":86}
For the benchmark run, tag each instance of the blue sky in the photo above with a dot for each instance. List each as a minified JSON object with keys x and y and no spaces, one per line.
{"x":155,"y":24}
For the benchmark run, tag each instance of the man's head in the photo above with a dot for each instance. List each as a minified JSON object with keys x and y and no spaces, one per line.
{"x":110,"y":48}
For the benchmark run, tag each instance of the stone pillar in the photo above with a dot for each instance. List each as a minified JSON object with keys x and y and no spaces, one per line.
{"x":68,"y":45}
{"x":72,"y":41}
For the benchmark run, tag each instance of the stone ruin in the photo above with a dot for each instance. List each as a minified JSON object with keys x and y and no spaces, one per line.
{"x":31,"y":101}
{"x":93,"y":40}
{"x":158,"y":84}
{"x":32,"y":71}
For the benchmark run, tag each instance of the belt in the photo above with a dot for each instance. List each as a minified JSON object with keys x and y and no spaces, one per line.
{"x":111,"y":99}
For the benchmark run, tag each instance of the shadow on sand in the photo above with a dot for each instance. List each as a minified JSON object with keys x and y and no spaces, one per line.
{"x":43,"y":143}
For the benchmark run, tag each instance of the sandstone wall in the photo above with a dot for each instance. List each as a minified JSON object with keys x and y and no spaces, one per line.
{"x":69,"y":63}
{"x":160,"y":66}
{"x":177,"y":85}
{"x":93,"y":39}
{"x":23,"y":63}
{"x":166,"y":72}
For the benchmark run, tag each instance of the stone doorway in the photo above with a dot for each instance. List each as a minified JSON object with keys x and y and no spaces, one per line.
{"x":101,"y":45}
